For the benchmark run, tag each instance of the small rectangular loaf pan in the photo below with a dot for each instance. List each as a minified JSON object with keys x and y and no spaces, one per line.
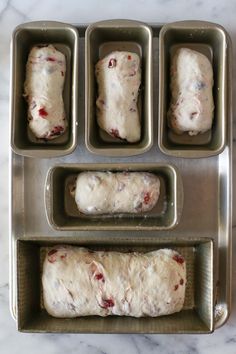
{"x":209,"y":39}
{"x":102,"y":38}
{"x":196,"y":316}
{"x":63,"y":214}
{"x":65,"y":38}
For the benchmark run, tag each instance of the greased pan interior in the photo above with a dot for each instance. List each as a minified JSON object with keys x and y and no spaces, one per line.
{"x":196,"y":316}
{"x":211,"y":40}
{"x":62,"y":212}
{"x":65,"y":38}
{"x":102,"y":38}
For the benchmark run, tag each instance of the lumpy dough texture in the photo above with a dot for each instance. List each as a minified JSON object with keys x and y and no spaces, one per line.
{"x":120,"y":192}
{"x":80,"y":282}
{"x":119,"y":77}
{"x":45,"y":75}
{"x":192,"y":105}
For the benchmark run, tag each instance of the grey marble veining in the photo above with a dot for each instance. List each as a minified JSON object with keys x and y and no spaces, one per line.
{"x":14,"y":12}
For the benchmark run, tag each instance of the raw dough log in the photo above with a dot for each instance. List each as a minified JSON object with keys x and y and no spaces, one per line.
{"x":120,"y":192}
{"x":45,"y":75}
{"x":119,"y":77}
{"x":192,"y":105}
{"x":80,"y":282}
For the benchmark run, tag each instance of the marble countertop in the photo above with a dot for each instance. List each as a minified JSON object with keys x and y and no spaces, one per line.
{"x":14,"y":12}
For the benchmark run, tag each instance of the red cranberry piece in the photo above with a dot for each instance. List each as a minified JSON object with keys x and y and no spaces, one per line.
{"x":179,"y":259}
{"x":50,"y":253}
{"x":146,"y":198}
{"x":57,"y":130}
{"x":42,"y":112}
{"x":50,"y":59}
{"x":181,"y":281}
{"x":52,"y":256}
{"x":100,"y":276}
{"x":112,"y":63}
{"x":192,"y":115}
{"x":176,"y":287}
{"x":129,"y":57}
{"x":115,"y":133}
{"x":107,"y":303}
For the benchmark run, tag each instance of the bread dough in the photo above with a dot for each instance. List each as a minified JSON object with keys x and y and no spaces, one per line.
{"x":192,"y":105}
{"x":80,"y":282}
{"x":45,"y":75}
{"x":121,"y":192}
{"x":119,"y":77}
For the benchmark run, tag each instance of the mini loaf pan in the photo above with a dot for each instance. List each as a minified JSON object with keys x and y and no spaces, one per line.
{"x":101,"y":39}
{"x":197,"y":315}
{"x":65,"y":38}
{"x":211,"y":40}
{"x":63,"y":214}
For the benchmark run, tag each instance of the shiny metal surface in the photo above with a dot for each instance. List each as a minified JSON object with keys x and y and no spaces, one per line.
{"x":102,"y":38}
{"x":66,"y":39}
{"x":213,"y":41}
{"x":207,"y":210}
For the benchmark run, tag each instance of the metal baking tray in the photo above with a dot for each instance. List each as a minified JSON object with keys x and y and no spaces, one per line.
{"x":207,"y":210}
{"x":63,"y":214}
{"x":211,"y":40}
{"x":196,"y":317}
{"x":100,"y":39}
{"x":65,"y":38}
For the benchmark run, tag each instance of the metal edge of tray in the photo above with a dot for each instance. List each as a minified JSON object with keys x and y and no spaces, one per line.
{"x":11,"y":277}
{"x":229,"y":143}
{"x":228,"y":213}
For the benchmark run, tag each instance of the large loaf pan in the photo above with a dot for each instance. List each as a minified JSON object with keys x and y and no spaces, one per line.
{"x":196,"y":316}
{"x":65,"y":38}
{"x":62,"y":212}
{"x":102,"y":38}
{"x":211,"y":40}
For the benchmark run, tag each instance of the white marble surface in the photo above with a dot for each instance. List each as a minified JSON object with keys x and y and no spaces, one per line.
{"x":13,"y":12}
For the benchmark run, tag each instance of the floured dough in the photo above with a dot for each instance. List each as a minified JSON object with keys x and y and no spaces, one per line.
{"x":45,"y":75}
{"x":80,"y":282}
{"x":119,"y":77}
{"x":121,"y":192}
{"x":192,"y":105}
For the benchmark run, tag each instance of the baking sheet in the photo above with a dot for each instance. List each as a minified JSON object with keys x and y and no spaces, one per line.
{"x":207,"y":203}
